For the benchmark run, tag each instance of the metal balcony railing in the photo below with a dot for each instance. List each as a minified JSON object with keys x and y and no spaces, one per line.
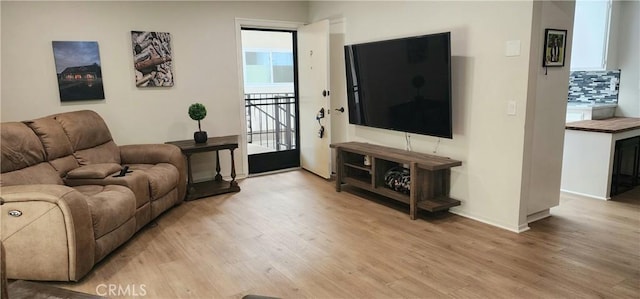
{"x":271,"y":120}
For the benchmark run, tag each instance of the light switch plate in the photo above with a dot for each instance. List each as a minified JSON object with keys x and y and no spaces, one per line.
{"x":512,"y":48}
{"x":511,"y":108}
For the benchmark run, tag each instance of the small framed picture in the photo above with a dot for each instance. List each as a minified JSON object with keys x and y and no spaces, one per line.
{"x":555,"y":44}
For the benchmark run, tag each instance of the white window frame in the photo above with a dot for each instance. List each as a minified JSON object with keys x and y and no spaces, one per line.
{"x":264,"y":50}
{"x":605,"y":43}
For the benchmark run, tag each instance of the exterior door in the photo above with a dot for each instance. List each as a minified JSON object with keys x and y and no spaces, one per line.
{"x":269,"y":77}
{"x":314,"y":98}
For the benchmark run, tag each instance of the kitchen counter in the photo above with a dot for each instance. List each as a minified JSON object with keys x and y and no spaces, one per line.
{"x":589,"y":148}
{"x":610,"y":125}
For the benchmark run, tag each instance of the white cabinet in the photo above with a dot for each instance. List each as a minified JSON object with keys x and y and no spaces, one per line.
{"x":587,"y":163}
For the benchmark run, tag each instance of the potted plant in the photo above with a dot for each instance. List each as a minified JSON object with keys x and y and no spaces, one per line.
{"x":197,"y":112}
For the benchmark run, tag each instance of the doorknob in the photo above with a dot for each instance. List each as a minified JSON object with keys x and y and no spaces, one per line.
{"x":341,"y":110}
{"x":325,"y":93}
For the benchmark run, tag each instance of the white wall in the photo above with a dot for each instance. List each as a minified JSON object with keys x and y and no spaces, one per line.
{"x":546,"y":112}
{"x":624,"y":46}
{"x":486,"y":139}
{"x":204,"y":55}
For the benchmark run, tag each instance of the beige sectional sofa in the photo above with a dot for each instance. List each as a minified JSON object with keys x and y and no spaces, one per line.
{"x":62,"y":208}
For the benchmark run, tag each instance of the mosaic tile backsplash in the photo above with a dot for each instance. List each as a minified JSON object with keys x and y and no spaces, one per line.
{"x":594,"y":86}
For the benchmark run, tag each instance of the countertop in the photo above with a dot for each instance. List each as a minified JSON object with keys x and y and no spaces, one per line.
{"x":609,"y":125}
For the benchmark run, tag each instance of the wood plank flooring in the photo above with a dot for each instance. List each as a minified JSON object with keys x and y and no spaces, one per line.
{"x":291,"y":235}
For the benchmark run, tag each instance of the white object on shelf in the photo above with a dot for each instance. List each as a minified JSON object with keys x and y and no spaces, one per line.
{"x":586,"y":111}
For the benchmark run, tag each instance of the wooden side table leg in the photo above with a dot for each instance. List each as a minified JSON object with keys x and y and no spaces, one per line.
{"x":190,"y":189}
{"x":218,"y":175}
{"x":446,"y":181}
{"x":233,"y":182}
{"x":413,"y":193}
{"x":339,"y":170}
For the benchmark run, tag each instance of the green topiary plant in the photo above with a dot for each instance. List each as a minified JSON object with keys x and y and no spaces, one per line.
{"x":197,"y":112}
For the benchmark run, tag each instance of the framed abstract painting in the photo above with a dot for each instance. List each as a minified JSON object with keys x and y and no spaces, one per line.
{"x":555,"y":45}
{"x":152,"y":60}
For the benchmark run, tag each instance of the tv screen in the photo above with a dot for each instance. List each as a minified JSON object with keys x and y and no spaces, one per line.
{"x":401,"y":84}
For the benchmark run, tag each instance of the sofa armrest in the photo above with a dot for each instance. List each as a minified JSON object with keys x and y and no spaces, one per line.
{"x":50,"y":235}
{"x":94,"y":171}
{"x":4,"y":293}
{"x":154,"y":154}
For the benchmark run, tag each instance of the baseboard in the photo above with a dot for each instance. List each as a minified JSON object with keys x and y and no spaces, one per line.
{"x":521,"y":228}
{"x":538,"y":215}
{"x":582,"y":195}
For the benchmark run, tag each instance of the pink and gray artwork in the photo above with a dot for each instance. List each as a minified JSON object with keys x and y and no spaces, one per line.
{"x":152,"y":58}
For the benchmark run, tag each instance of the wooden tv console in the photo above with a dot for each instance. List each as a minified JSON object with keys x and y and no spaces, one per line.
{"x":430,"y":175}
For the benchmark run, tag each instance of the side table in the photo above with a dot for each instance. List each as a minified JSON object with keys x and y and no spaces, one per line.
{"x":218,"y":185}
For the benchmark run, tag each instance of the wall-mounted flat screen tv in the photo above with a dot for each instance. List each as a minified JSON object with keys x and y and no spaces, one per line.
{"x":401,"y":84}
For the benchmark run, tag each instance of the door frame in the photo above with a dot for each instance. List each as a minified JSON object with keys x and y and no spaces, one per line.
{"x":337,"y":82}
{"x":257,"y":24}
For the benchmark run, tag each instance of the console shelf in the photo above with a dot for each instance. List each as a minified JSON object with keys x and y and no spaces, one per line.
{"x":361,"y":167}
{"x":430,"y":175}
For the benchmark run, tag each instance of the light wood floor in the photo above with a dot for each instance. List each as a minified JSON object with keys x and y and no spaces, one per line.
{"x":291,"y":235}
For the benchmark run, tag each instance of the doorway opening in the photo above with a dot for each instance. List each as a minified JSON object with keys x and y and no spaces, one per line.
{"x":270,"y":99}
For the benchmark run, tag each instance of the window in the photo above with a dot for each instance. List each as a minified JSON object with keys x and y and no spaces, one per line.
{"x":267,"y":67}
{"x":282,"y":67}
{"x":257,"y":67}
{"x":590,"y":35}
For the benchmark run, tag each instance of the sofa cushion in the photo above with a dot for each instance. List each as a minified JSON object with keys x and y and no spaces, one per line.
{"x":115,"y":238}
{"x":54,"y":140}
{"x":94,"y":171}
{"x":56,"y":144}
{"x":104,"y":153}
{"x":163,"y":203}
{"x":111,"y":206}
{"x":89,"y":137}
{"x":64,"y":165}
{"x":42,"y":173}
{"x":20,"y":147}
{"x":137,"y":182}
{"x":163,"y":177}
{"x":85,"y":129}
